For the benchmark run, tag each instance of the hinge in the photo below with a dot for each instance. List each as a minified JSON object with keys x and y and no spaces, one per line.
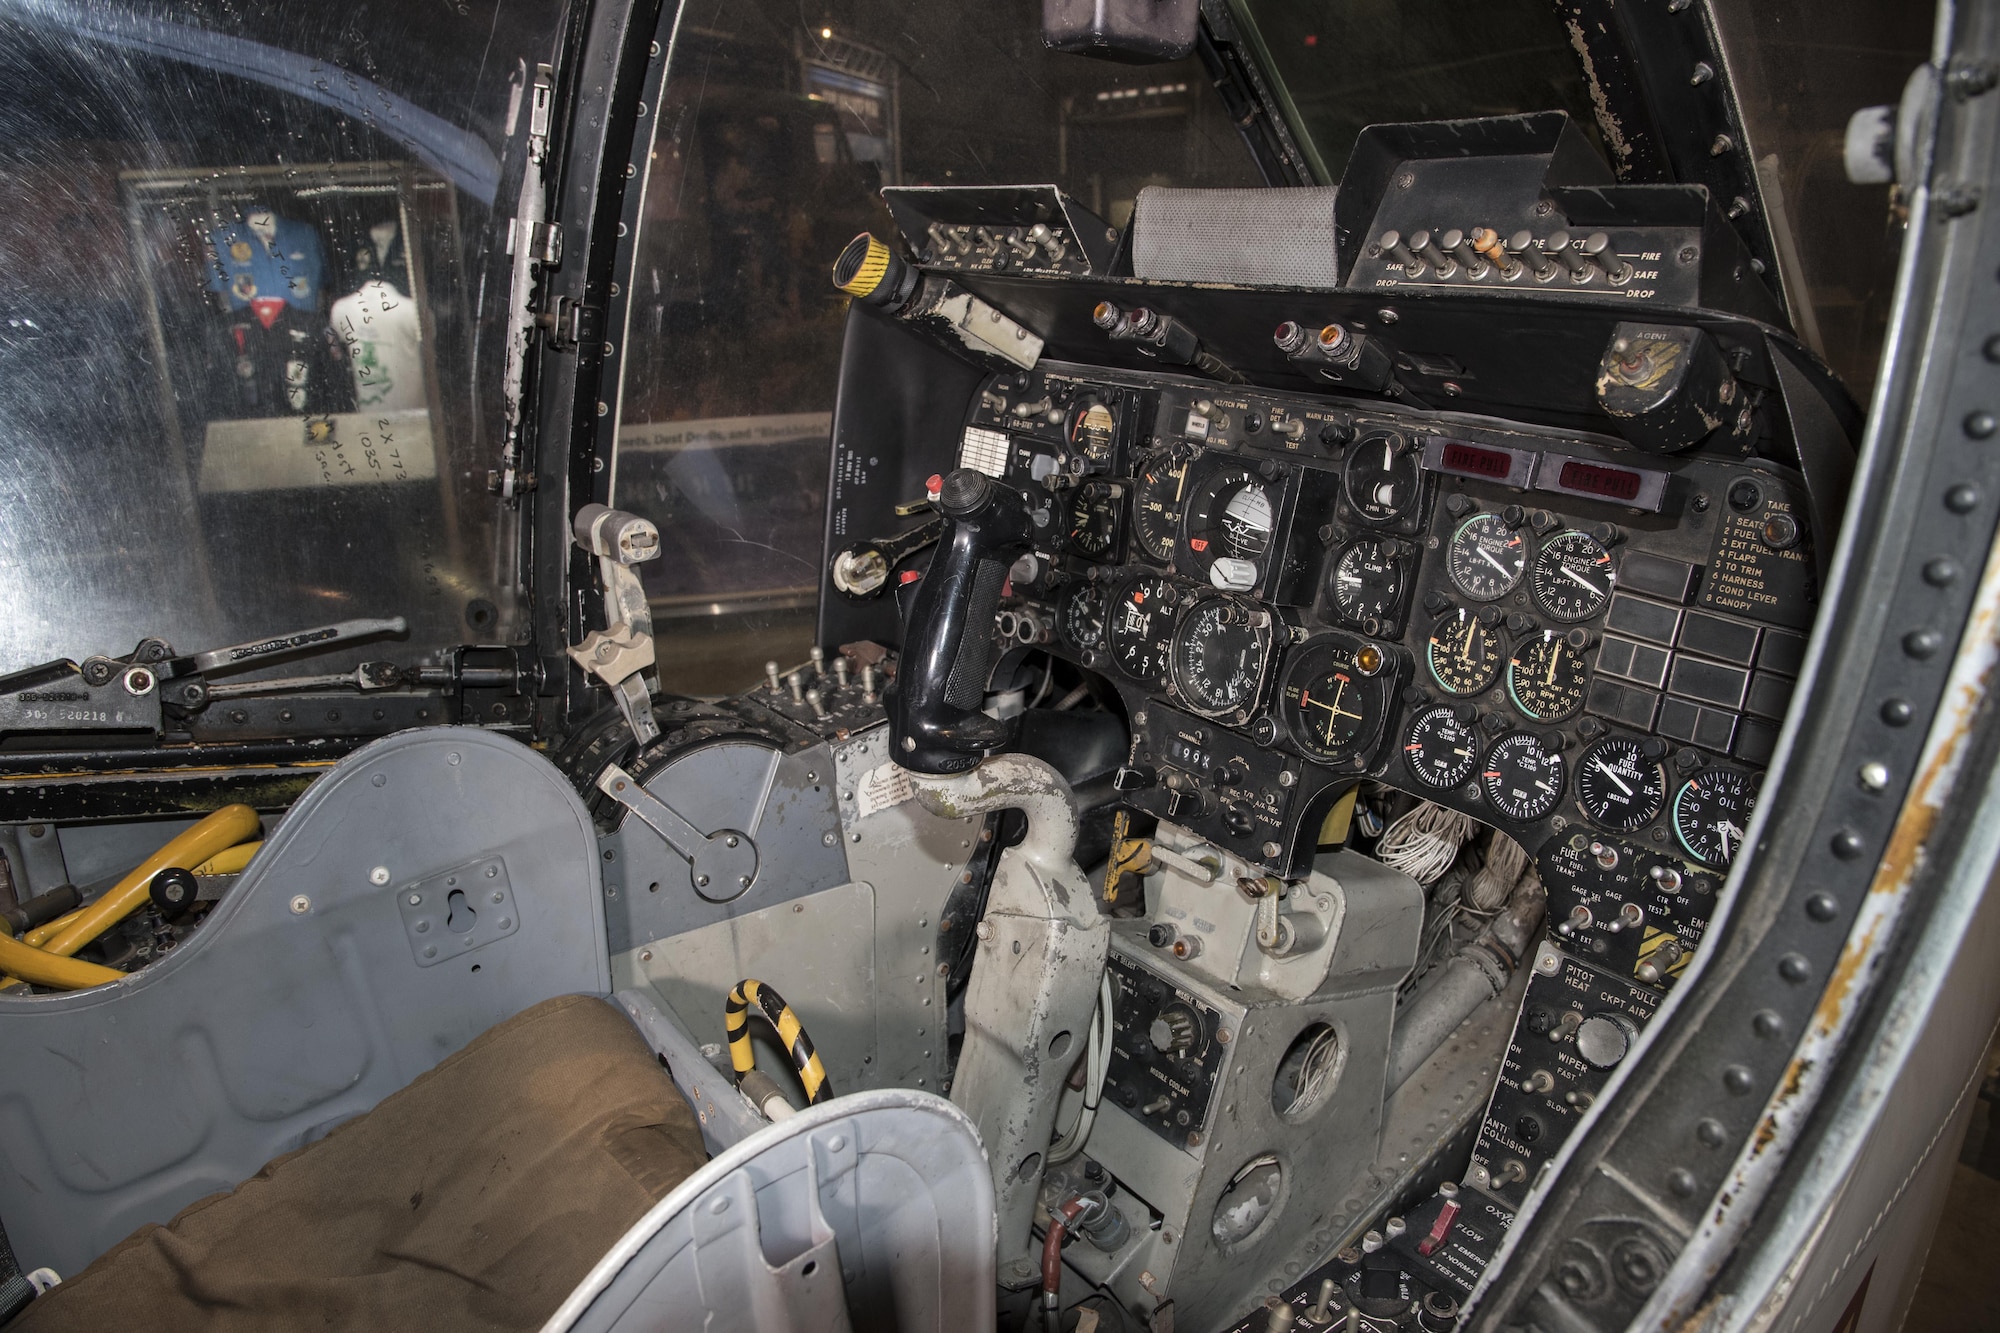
{"x":543,"y":241}
{"x":570,"y":323}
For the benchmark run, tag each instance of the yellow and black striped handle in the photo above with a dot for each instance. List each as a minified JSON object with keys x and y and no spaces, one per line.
{"x":736,"y":1021}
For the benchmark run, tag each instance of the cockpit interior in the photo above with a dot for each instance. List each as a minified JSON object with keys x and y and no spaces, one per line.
{"x":1233,"y":666}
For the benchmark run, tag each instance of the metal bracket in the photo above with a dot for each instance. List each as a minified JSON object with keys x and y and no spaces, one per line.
{"x":622,"y":653}
{"x":447,"y":916}
{"x":569,"y":323}
{"x":721,"y":865}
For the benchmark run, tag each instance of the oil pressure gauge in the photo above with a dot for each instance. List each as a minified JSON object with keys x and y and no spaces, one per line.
{"x":1711,"y":813}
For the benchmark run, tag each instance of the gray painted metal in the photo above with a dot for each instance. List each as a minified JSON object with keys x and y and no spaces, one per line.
{"x":782,"y":803}
{"x":1329,"y":1153}
{"x":856,"y":958}
{"x":725,"y":1115}
{"x":1040,"y":958}
{"x":871,"y":1211}
{"x":271,"y":1025}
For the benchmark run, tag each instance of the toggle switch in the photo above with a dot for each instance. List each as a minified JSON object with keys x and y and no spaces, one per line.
{"x":1399,"y":253}
{"x":1580,"y":269}
{"x":1427,"y":248}
{"x":1456,"y":245}
{"x":1523,"y":244}
{"x":1486,"y":241}
{"x":1597,"y":251}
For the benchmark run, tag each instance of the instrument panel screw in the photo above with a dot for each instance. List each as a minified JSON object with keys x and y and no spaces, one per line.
{"x":301,"y":905}
{"x":379,"y":875}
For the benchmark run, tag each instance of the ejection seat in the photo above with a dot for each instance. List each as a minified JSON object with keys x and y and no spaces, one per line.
{"x":547,"y":1172}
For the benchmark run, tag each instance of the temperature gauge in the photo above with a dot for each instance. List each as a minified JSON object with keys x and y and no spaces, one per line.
{"x":1523,"y":778}
{"x":1440,"y":747}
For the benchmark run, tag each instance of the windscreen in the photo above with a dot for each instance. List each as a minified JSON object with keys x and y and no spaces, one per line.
{"x":779,"y":126}
{"x":251,"y":285}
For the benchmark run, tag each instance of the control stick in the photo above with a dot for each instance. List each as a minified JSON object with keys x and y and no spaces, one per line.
{"x":934,"y":720}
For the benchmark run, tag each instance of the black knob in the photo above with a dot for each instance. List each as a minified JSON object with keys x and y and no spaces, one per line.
{"x":173,"y":891}
{"x":1459,"y":505}
{"x":1335,"y":432}
{"x":1160,"y":935}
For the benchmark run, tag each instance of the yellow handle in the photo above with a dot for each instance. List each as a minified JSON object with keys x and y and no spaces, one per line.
{"x":46,"y":969}
{"x":225,"y":828}
{"x":230,"y":860}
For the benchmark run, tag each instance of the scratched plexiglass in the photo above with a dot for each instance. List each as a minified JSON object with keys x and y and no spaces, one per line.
{"x":249,"y":321}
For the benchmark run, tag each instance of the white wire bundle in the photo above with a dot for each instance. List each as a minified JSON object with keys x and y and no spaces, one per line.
{"x":1424,"y":843}
{"x":1487,"y":891}
{"x":1096,"y":1063}
{"x":1316,"y":1071}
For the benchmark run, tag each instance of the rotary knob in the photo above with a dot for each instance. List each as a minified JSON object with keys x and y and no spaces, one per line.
{"x":1604,"y":1039}
{"x":1174,"y":1031}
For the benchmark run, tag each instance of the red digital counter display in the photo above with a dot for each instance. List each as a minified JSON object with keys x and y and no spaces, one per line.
{"x":1612,"y":483}
{"x":1472,"y":461}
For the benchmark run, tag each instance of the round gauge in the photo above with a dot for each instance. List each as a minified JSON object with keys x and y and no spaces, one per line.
{"x":1139,"y":625}
{"x":1572,"y":578}
{"x":1368,"y":581}
{"x":1381,"y":478}
{"x":1081,"y":617}
{"x":1227,"y":527}
{"x":1545,"y":677}
{"x":1093,"y":519}
{"x":1523,"y":777}
{"x":1463,"y":653}
{"x":1486,"y":557}
{"x":1440,"y":750}
{"x":1156,"y":513}
{"x":1219,"y":651}
{"x":1711,"y":814}
{"x":1618,"y":786}
{"x":1333,"y":699}
{"x":1092,"y":429}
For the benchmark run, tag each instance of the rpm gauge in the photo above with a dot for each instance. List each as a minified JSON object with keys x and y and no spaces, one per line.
{"x":1486,"y":557}
{"x":1218,"y":656}
{"x":1381,"y":478}
{"x":1572,"y":577}
{"x":1094,"y":511}
{"x":1334,"y":698}
{"x":1228,"y":525}
{"x":1545,"y":677}
{"x":1080,"y":617}
{"x":1368,"y":581}
{"x":1464,"y":653}
{"x":1156,"y":510}
{"x":1139,"y":626}
{"x":1440,"y":746}
{"x":1523,"y":778}
{"x":1711,"y":814}
{"x":1618,"y":786}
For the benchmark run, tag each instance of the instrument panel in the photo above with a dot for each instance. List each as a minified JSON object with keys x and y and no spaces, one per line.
{"x":1540,"y":628}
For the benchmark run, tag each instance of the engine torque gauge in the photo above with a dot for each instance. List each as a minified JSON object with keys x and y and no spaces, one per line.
{"x":1572,"y":576}
{"x":1441,"y":751}
{"x":1156,"y":512}
{"x":1219,"y":651}
{"x":1486,"y":557}
{"x":1618,"y":786}
{"x":1545,"y":677}
{"x":1081,"y":617}
{"x":1523,"y":778}
{"x":1712,"y":813}
{"x":1093,"y":519}
{"x":1367,"y":582}
{"x":1334,"y":698}
{"x":1139,"y":625}
{"x":1381,"y":478}
{"x":1464,"y":654}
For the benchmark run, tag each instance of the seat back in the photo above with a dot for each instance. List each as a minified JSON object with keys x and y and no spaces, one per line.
{"x":428,"y":887}
{"x":871,"y":1211}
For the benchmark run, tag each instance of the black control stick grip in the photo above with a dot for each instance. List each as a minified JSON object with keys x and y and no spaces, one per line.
{"x":935,"y":725}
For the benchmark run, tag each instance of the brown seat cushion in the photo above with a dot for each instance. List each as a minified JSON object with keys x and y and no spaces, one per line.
{"x":477,"y":1197}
